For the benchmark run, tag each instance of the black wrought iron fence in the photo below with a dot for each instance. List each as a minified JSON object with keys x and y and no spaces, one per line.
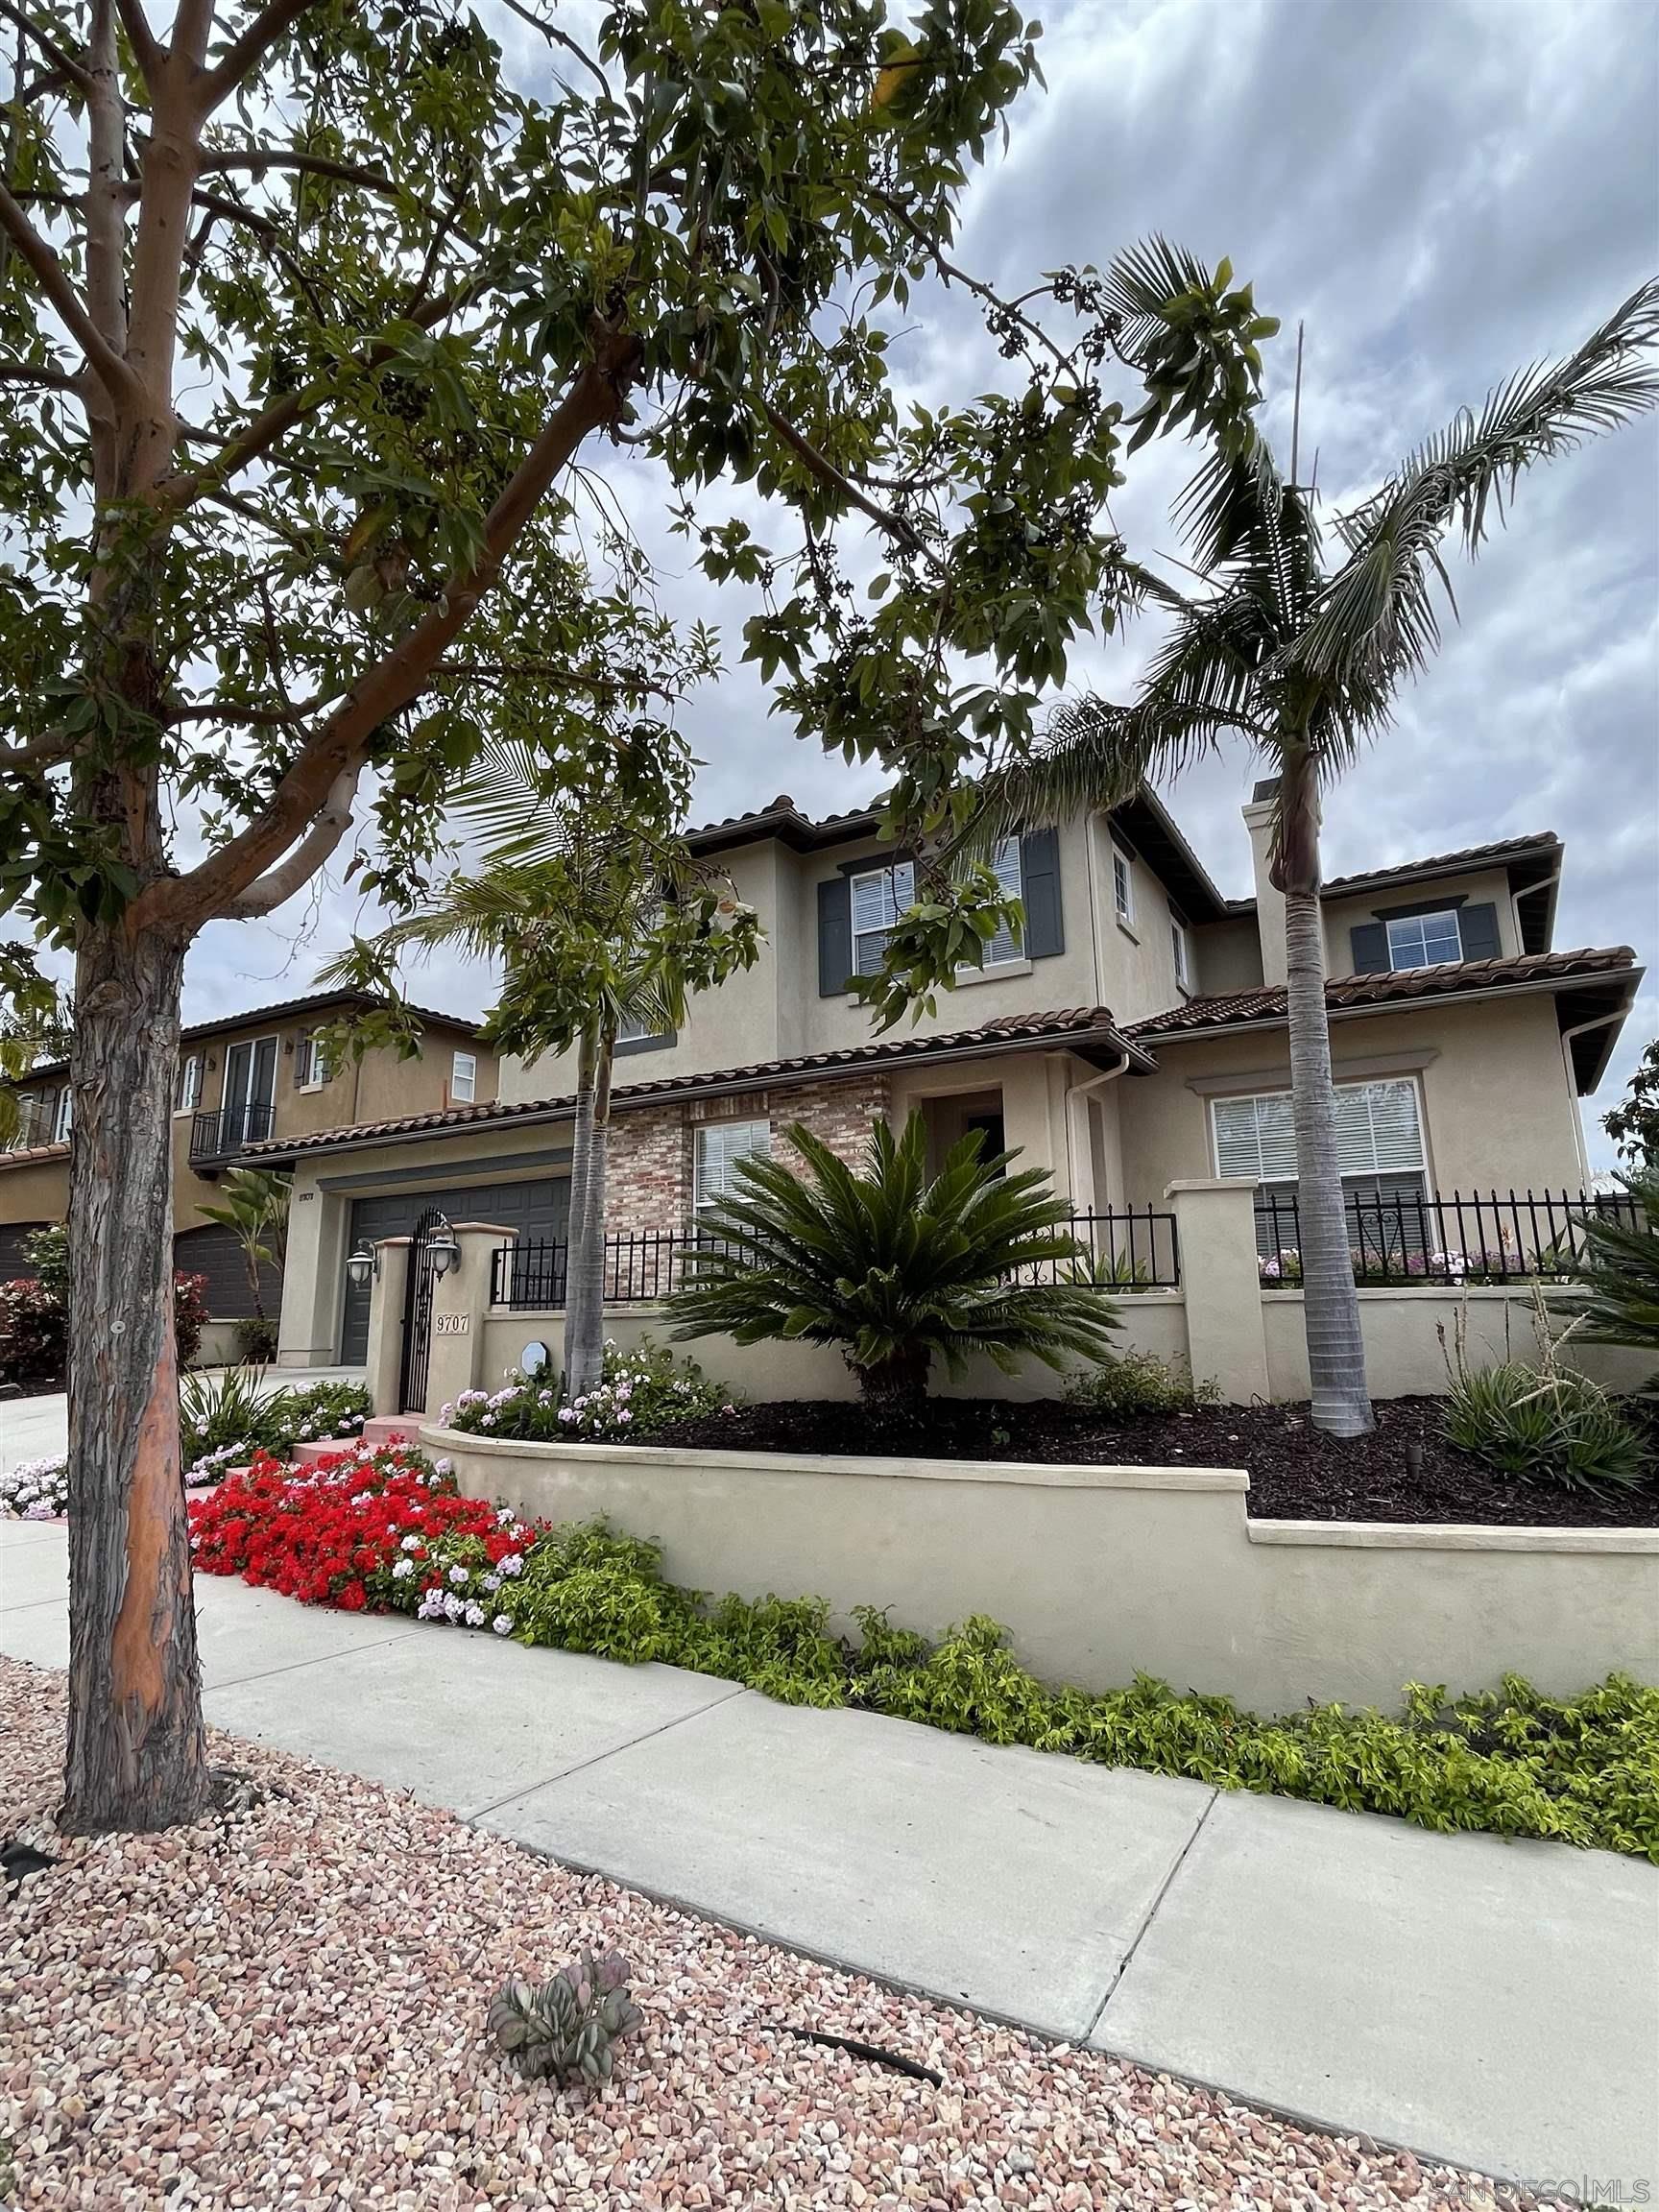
{"x":1135,"y":1250}
{"x":1429,"y":1237}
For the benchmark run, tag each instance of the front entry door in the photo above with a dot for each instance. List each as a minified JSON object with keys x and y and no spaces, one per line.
{"x":249,"y":1093}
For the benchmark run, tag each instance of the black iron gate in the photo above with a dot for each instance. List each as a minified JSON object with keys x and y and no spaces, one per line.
{"x":418,"y":1314}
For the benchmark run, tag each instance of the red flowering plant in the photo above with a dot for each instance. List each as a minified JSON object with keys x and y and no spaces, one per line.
{"x":372,"y":1531}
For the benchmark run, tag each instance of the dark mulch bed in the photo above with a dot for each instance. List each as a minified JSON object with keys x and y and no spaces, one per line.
{"x":1296,"y":1473}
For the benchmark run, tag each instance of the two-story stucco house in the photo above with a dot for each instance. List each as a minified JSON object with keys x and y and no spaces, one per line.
{"x":1132,"y":1034}
{"x":243,"y":1079}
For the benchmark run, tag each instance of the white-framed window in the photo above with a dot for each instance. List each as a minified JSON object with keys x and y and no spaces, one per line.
{"x":720,"y":1145}
{"x":188,"y":1096}
{"x":1425,"y":940}
{"x":314,"y":1066}
{"x":1122,"y":885}
{"x":1379,"y":1141}
{"x":463,"y":1079}
{"x":63,"y":1115}
{"x":879,"y":898}
{"x":1180,"y":951}
{"x":1006,"y":945}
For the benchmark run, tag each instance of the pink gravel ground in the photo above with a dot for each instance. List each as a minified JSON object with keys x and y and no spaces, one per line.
{"x":285,"y":2008}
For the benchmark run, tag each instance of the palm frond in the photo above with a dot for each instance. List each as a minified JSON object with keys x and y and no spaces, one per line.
{"x":1376,"y":620}
{"x":1140,"y":284}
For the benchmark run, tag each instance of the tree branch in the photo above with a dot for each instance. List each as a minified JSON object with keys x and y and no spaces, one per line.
{"x":246,"y":53}
{"x":142,"y":40}
{"x":826,"y":472}
{"x":325,"y":833}
{"x":596,"y":396}
{"x":29,"y":372}
{"x":53,"y":280}
{"x":60,"y":59}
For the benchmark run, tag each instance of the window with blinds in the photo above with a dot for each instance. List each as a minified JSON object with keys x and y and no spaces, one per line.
{"x":878,"y":899}
{"x":720,"y":1145}
{"x":1005,"y":865}
{"x":1378,"y":1134}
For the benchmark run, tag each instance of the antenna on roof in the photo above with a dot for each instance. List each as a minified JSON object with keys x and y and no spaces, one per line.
{"x":1297,"y":411}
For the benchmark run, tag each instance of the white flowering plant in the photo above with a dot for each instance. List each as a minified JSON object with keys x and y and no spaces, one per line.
{"x":37,"y":1490}
{"x":225,"y":1419}
{"x":640,"y":1392}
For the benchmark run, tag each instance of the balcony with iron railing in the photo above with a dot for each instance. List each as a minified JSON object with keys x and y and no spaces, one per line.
{"x":218,"y":1136}
{"x":37,"y":1124}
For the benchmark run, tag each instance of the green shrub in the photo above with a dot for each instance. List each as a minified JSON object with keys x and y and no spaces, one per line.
{"x":1140,"y":1383}
{"x":1547,"y":1425}
{"x":225,"y":1419}
{"x":639,"y":1393}
{"x":778,"y":1645}
{"x":892,"y":1266}
{"x":1621,"y":1272}
{"x":256,"y":1339}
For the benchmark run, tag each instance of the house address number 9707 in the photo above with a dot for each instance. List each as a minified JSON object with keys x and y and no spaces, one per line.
{"x":450,"y":1324}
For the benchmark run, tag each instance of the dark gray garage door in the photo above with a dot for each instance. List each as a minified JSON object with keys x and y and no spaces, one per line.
{"x":15,"y":1238}
{"x":216,"y":1252}
{"x":539,"y":1209}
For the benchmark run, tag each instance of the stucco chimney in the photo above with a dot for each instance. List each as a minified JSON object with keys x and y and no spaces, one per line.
{"x":1269,"y":903}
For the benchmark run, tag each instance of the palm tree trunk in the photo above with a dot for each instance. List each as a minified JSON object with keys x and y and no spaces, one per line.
{"x":584,"y":1273}
{"x":1329,"y":1301}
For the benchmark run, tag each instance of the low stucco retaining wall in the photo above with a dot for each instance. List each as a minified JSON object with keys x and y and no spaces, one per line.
{"x":1097,"y":1572}
{"x":1411,"y":1333}
{"x":1152,"y":1321}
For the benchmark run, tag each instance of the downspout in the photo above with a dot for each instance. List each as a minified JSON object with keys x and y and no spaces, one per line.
{"x":1077,"y":1126}
{"x":1582,"y":1030}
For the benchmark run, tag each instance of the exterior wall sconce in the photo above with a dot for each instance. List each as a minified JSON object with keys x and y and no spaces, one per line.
{"x":362,"y":1266}
{"x":442,"y":1250}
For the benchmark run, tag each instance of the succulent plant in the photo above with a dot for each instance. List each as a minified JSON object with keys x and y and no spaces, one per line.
{"x":570,"y":2024}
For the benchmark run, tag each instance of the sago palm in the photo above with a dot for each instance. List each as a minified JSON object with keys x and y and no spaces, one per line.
{"x":893,"y":1264}
{"x":1620,"y":1270}
{"x":1302,"y":659}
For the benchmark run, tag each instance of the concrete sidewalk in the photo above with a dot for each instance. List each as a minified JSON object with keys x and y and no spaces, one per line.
{"x":1494,"y":2004}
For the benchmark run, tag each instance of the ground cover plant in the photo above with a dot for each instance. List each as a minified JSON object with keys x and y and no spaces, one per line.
{"x":638,"y":1392}
{"x":37,"y":1490}
{"x":386,"y":1530}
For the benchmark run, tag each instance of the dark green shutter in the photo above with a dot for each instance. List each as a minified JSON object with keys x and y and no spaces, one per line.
{"x":1369,"y":943}
{"x":834,"y":936}
{"x":1479,"y":925}
{"x":1040,"y":890}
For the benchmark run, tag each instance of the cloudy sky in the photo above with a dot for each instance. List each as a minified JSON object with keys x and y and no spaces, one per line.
{"x":1440,"y":190}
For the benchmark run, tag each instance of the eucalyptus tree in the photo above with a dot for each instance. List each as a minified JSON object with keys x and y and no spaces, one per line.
{"x":585,"y":893}
{"x":314,"y":329}
{"x":1303,"y":659}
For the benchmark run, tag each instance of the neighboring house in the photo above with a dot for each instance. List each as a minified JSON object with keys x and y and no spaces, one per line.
{"x":1132,"y":1035}
{"x":243,"y":1079}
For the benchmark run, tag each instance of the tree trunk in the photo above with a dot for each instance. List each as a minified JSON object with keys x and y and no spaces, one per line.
{"x":1329,"y":1301}
{"x":137,"y":1755}
{"x":585,"y":1274}
{"x":896,"y":1390}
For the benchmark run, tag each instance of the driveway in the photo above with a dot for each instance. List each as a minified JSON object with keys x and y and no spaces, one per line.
{"x":39,"y":1427}
{"x":1494,"y":2004}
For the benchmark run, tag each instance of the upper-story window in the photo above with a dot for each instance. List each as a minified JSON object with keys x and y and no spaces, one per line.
{"x":312,"y":1066}
{"x":63,"y":1115}
{"x":188,"y":1096}
{"x":463,"y":1079}
{"x":1181,"y":953}
{"x":878,"y":899}
{"x":1425,"y":940}
{"x":720,"y":1147}
{"x":1122,"y":885}
{"x":1005,"y":865}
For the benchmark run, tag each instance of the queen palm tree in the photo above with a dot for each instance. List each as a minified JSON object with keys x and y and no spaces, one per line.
{"x":1303,"y":659}
{"x":588,"y":898}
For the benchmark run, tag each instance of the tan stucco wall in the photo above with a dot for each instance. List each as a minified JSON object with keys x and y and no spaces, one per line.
{"x":1229,"y":956}
{"x":1475,"y":889}
{"x":34,"y":1191}
{"x":1099,"y":1571}
{"x":1497,"y":1107}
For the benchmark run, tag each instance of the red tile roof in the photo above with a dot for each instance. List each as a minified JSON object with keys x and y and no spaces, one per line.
{"x":32,"y":1155}
{"x":1541,"y":843}
{"x":1080,"y":1028}
{"x":1233,"y":1008}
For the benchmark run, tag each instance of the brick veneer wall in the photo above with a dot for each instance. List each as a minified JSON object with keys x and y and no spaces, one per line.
{"x":653,"y":1148}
